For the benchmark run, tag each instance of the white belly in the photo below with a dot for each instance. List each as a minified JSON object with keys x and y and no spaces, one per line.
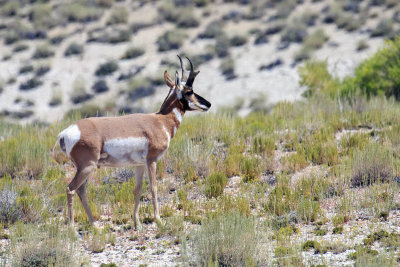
{"x":125,"y":151}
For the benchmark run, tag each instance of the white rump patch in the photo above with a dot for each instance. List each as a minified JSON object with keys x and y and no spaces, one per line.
{"x":178,"y":115}
{"x":71,"y":136}
{"x":127,"y":150}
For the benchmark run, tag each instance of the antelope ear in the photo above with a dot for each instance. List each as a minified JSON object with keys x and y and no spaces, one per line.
{"x":177,"y":82}
{"x":168,"y":80}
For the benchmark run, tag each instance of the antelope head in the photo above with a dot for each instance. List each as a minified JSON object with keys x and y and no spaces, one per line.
{"x":184,"y":89}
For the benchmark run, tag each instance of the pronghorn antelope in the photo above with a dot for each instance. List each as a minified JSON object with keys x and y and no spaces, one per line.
{"x":136,"y":139}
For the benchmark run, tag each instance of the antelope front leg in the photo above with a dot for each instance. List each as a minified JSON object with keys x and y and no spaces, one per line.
{"x":139,"y":171}
{"x":151,"y":169}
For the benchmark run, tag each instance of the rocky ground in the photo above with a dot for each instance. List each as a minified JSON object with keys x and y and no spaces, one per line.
{"x":262,"y":70}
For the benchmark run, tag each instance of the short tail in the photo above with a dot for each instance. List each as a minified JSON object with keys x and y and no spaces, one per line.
{"x":60,"y":141}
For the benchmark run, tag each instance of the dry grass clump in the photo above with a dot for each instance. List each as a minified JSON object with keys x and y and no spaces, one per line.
{"x":372,"y":164}
{"x":45,"y":245}
{"x":9,"y":210}
{"x":228,"y":239}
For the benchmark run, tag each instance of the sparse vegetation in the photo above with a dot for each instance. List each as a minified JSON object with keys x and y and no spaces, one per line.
{"x":215,"y":184}
{"x":133,"y":52}
{"x":107,"y":68}
{"x":118,"y":15}
{"x":79,"y":12}
{"x":43,"y":51}
{"x":56,"y":98}
{"x":73,"y":49}
{"x":370,"y":165}
{"x":322,"y":162}
{"x":80,"y":94}
{"x":170,"y":40}
{"x":229,"y":240}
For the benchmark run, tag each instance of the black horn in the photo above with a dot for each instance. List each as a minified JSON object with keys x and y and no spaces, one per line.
{"x":192,"y":74}
{"x":183,"y":78}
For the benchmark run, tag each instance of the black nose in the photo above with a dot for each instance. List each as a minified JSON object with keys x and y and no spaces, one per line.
{"x":202,"y":101}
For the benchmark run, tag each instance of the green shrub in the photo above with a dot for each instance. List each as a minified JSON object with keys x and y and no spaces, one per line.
{"x":26,"y":69}
{"x":170,"y":40}
{"x":221,"y":48}
{"x":169,"y":11}
{"x":371,"y":164}
{"x":238,"y":40}
{"x":43,"y":51}
{"x":320,"y":232}
{"x":250,"y":169}
{"x":105,"y":3}
{"x":41,"y":16}
{"x":377,"y":75}
{"x":264,"y":145}
{"x":316,"y":39}
{"x":30,"y":84}
{"x":24,"y":153}
{"x":56,"y":98}
{"x":227,"y":239}
{"x":79,"y":93}
{"x":337,"y":230}
{"x":309,"y":244}
{"x":79,"y":12}
{"x":73,"y":49}
{"x":10,"y":8}
{"x":107,"y":68}
{"x":384,"y":28}
{"x":133,"y":52}
{"x":315,"y":76}
{"x":362,"y":45}
{"x":295,"y":32}
{"x":213,"y":30}
{"x":187,"y":19}
{"x":227,"y":67}
{"x":303,"y":54}
{"x":20,"y":47}
{"x":118,"y":15}
{"x":140,"y":87}
{"x":215,"y":184}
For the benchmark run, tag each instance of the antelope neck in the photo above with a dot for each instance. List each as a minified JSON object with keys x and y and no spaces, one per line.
{"x":172,"y":113}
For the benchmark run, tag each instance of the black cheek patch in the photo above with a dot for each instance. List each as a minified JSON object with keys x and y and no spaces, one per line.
{"x":185,"y":103}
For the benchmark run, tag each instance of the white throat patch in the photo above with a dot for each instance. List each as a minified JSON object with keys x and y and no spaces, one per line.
{"x":178,"y":115}
{"x":168,"y":135}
